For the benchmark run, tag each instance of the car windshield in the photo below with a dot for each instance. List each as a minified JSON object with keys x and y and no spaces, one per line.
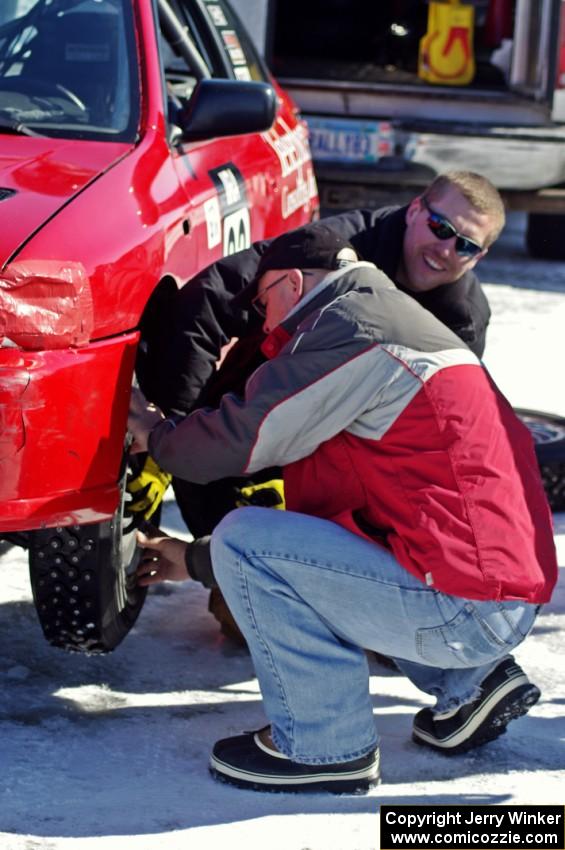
{"x":68,"y":68}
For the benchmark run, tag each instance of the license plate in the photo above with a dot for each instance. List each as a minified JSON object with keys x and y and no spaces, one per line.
{"x":344,"y":140}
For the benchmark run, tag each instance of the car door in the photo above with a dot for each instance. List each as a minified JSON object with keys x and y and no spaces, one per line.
{"x":238,"y":188}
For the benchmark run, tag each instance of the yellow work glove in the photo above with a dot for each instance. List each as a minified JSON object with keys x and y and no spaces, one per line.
{"x":146,"y":489}
{"x":270,"y":494}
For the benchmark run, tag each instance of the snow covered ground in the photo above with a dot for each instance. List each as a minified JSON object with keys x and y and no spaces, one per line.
{"x":105,"y":752}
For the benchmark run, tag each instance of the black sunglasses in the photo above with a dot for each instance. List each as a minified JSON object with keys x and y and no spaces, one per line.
{"x":443,"y":229}
{"x":256,"y":302}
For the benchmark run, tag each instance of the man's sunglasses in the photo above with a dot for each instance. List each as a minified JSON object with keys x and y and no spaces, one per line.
{"x":256,"y":302}
{"x":443,"y":229}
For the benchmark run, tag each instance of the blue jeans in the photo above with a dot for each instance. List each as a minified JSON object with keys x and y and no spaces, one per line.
{"x":310,"y":596}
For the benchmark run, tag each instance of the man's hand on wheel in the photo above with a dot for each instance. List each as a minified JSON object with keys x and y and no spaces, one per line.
{"x":163,"y":559}
{"x":147,"y":490}
{"x":142,"y":418}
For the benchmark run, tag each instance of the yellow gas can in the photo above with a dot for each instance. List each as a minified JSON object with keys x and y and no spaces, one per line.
{"x":446,"y":53}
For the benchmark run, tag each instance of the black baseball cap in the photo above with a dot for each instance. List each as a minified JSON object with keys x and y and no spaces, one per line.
{"x":314,"y":246}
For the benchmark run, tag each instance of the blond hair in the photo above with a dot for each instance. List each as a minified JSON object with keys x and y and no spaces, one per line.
{"x":478,"y":191}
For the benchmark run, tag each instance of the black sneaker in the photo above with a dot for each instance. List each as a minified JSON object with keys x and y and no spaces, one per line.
{"x":506,"y":694}
{"x":246,"y":762}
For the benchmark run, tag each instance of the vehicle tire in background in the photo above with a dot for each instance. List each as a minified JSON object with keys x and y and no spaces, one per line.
{"x":82,"y":582}
{"x":548,"y":432}
{"x":544,"y":236}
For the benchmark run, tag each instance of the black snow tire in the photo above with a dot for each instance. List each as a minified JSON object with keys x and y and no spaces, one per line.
{"x":548,"y":432}
{"x":544,"y":236}
{"x":84,"y":592}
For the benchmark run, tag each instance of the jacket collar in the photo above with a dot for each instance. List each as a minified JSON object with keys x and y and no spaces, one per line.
{"x":334,"y":284}
{"x":389,"y":245}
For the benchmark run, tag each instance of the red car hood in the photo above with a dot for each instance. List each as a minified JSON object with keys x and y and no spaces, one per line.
{"x":38,"y":176}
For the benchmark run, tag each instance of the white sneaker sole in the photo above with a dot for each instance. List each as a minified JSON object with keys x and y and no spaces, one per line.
{"x":342,"y":782}
{"x":508,"y":702}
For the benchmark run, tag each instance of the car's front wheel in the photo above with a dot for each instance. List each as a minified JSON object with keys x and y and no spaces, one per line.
{"x":83,"y":584}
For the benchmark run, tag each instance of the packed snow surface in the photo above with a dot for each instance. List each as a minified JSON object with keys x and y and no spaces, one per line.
{"x":99,"y":753}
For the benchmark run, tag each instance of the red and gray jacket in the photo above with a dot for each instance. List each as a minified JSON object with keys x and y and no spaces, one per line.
{"x":386,"y":423}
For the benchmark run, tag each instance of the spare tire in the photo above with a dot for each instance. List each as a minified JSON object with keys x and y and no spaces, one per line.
{"x":544,"y":236}
{"x":548,"y":432}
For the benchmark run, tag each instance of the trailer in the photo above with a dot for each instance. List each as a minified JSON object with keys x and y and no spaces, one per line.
{"x":380,"y":130}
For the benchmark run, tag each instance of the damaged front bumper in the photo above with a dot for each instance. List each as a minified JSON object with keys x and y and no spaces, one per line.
{"x":63,"y":417}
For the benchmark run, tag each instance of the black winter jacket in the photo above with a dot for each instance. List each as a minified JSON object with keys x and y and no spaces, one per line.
{"x":186,"y":328}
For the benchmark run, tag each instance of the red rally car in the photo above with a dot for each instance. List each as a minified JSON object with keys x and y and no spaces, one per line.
{"x":140,"y":140}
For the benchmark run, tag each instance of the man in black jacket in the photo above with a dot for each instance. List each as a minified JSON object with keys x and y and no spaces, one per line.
{"x":421,"y":247}
{"x":428,"y":248}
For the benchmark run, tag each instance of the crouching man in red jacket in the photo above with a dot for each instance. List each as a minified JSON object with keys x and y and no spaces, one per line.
{"x":416,"y":522}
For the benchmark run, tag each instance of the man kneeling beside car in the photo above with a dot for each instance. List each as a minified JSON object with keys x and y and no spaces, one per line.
{"x":416,"y":522}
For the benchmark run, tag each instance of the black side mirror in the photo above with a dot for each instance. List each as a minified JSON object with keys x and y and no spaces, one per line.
{"x":227,"y":108}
